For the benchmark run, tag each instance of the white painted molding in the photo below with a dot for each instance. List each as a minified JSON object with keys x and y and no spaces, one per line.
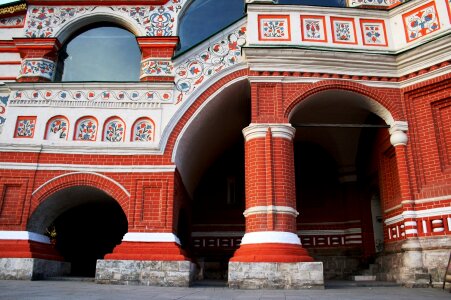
{"x":86,"y":173}
{"x":348,"y":231}
{"x":270,"y":209}
{"x":151,"y":237}
{"x":259,"y":130}
{"x":24,"y":236}
{"x":427,"y":200}
{"x":433,"y":212}
{"x":218,"y":234}
{"x":270,"y":237}
{"x":89,"y":168}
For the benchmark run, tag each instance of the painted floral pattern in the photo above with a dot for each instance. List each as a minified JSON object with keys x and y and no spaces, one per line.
{"x":114,"y":131}
{"x":342,"y":31}
{"x":25,"y":127}
{"x":86,"y":130}
{"x":97,"y":95}
{"x":58,"y":129}
{"x":143,"y":131}
{"x":3,"y":104}
{"x":421,"y":22}
{"x":274,"y":29}
{"x":40,"y":68}
{"x":16,"y":21}
{"x":216,"y":58}
{"x":374,"y":2}
{"x":156,"y":68}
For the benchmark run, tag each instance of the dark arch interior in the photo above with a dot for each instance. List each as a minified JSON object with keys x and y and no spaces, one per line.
{"x":88,"y":224}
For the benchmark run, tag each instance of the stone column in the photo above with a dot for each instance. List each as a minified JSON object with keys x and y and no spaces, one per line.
{"x":39,"y":58}
{"x":156,"y":63}
{"x":271,"y":255}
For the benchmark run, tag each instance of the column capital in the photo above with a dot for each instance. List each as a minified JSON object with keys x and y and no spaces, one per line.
{"x":278,"y":130}
{"x":398,"y":136}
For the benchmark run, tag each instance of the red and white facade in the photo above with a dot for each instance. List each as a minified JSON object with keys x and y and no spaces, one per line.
{"x":290,"y":80}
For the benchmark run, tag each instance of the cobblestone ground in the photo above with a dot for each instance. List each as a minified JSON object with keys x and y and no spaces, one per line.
{"x":66,"y":290}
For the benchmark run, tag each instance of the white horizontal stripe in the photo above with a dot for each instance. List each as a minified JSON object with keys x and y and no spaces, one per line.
{"x":88,"y":168}
{"x":410,"y":223}
{"x":353,"y":242}
{"x":411,"y":231}
{"x":419,"y":201}
{"x":269,"y":237}
{"x":330,"y":231}
{"x":150,"y":237}
{"x":419,"y":214}
{"x":270,"y":209}
{"x":351,"y":237}
{"x":24,"y":236}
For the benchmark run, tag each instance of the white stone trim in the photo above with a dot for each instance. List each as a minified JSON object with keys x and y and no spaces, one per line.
{"x":259,"y":130}
{"x":330,"y":232}
{"x":270,"y":209}
{"x":433,"y":212}
{"x":411,"y":231}
{"x":427,"y":200}
{"x":89,"y":173}
{"x":217,"y":234}
{"x":151,"y":237}
{"x":410,"y":223}
{"x":270,"y":237}
{"x":24,"y":236}
{"x":89,"y":168}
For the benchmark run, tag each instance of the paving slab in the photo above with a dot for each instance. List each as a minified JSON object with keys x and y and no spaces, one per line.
{"x":68,"y":290}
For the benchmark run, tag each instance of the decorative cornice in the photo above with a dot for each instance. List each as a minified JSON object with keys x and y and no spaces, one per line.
{"x":259,"y":130}
{"x":433,"y":212}
{"x":10,"y":10}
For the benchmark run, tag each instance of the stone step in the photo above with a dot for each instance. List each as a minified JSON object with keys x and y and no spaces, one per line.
{"x":71,"y":278}
{"x":363,"y":278}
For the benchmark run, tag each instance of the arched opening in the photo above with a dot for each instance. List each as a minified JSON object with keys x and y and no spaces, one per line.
{"x":337,"y":145}
{"x":99,"y":52}
{"x":84,"y":223}
{"x":210,"y":159}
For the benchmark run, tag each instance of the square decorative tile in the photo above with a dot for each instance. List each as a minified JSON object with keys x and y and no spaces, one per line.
{"x":274,"y":28}
{"x":373,"y":32}
{"x":421,"y":21}
{"x":25,"y":127}
{"x":313,"y":28}
{"x":343,"y":30}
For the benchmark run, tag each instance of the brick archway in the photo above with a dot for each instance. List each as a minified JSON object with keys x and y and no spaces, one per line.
{"x":388,"y":99}
{"x":96,"y":181}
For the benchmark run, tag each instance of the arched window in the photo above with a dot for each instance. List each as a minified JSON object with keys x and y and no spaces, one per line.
{"x":114,"y":130}
{"x":206,"y":17}
{"x":100,"y":52}
{"x":143,"y":130}
{"x":86,"y":129}
{"x":57,"y":128}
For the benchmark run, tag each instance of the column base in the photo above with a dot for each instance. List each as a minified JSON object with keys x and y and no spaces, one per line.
{"x":271,"y":253}
{"x":276,"y":275}
{"x":31,"y":268}
{"x":144,"y":272}
{"x":147,"y":251}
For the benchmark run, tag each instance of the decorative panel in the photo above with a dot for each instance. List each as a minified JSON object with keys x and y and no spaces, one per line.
{"x":143,"y":130}
{"x":373,"y":32}
{"x":343,"y":30}
{"x":274,"y":28}
{"x":57,"y":128}
{"x":12,"y":22}
{"x":313,"y":28}
{"x":25,"y":127}
{"x":448,"y":6}
{"x":86,"y":129}
{"x":114,"y":130}
{"x":3,"y":104}
{"x":151,"y":203}
{"x":421,"y":21}
{"x":442,"y":123}
{"x":12,"y":198}
{"x":37,"y":68}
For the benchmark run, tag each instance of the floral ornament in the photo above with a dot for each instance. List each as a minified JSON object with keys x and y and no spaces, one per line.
{"x":3,"y":104}
{"x":143,"y":131}
{"x":114,"y":131}
{"x":156,"y":68}
{"x":274,"y":28}
{"x":342,"y":31}
{"x":313,"y":29}
{"x":41,"y":68}
{"x":221,"y":55}
{"x":43,"y":21}
{"x":421,"y":22}
{"x":374,"y":2}
{"x":58,"y":129}
{"x":25,"y":128}
{"x":16,"y":21}
{"x":87,"y":130}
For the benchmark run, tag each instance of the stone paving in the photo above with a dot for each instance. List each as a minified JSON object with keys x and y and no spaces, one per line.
{"x":10,"y":289}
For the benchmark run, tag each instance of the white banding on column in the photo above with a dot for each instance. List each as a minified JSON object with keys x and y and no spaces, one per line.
{"x":270,"y":209}
{"x":270,"y":237}
{"x":151,"y":237}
